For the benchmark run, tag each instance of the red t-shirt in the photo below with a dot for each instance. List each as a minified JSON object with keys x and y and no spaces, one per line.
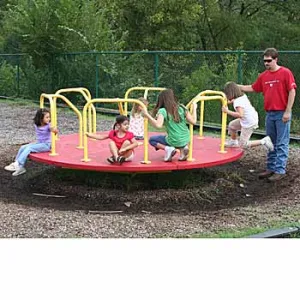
{"x":275,"y":86}
{"x":119,"y":141}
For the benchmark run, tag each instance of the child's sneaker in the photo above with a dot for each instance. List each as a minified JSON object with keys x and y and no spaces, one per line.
{"x":232,"y":143}
{"x":267,"y":143}
{"x":184,"y":154}
{"x":170,"y":152}
{"x":19,"y":170}
{"x":12,"y":167}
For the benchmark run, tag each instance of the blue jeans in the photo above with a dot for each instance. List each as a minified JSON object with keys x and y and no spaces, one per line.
{"x":279,"y":133}
{"x":158,"y":139}
{"x":25,"y":150}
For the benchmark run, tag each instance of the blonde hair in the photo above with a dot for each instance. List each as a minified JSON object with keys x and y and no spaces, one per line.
{"x":232,"y":90}
{"x":135,"y":106}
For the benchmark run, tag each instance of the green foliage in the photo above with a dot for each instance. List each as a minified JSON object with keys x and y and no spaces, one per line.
{"x":7,"y":79}
{"x":45,"y":27}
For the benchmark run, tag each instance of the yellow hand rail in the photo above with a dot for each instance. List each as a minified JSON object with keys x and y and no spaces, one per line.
{"x":201,"y":97}
{"x":87,"y":96}
{"x":124,"y":111}
{"x":53,"y":109}
{"x":119,"y":101}
{"x":53,"y":120}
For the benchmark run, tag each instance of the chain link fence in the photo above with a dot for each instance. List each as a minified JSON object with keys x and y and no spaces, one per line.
{"x":110,"y":74}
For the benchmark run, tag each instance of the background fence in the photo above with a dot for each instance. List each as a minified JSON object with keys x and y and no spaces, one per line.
{"x":110,"y":74}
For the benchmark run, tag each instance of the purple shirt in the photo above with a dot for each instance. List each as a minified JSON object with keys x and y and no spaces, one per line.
{"x":43,"y":133}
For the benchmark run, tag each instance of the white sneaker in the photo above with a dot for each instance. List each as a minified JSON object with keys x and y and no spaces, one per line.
{"x":12,"y":167}
{"x":170,"y":152}
{"x":184,"y":154}
{"x":232,"y":143}
{"x":19,"y":171}
{"x":267,"y":143}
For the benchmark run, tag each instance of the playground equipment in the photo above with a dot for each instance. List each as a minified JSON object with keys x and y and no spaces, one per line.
{"x":91,"y":154}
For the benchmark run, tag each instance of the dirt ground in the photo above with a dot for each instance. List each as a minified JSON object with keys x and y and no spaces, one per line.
{"x":227,"y":197}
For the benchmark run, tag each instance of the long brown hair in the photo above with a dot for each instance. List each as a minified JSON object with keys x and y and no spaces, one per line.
{"x":168,"y":100}
{"x":232,"y":90}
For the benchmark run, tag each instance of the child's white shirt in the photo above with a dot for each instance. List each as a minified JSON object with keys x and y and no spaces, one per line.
{"x":250,"y":117}
{"x":136,"y":125}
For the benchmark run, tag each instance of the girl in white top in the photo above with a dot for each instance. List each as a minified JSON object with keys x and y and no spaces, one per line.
{"x":136,"y":124}
{"x":246,"y":119}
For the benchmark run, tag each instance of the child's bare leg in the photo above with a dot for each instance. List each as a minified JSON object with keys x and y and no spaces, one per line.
{"x":127,"y":153}
{"x":113,"y":149}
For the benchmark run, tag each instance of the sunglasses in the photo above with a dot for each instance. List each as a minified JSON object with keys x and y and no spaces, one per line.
{"x":268,"y":60}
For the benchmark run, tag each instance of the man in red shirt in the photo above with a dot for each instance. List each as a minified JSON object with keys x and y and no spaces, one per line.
{"x":278,"y":86}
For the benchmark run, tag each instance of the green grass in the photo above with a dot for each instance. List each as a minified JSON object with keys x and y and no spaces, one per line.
{"x":241,"y":232}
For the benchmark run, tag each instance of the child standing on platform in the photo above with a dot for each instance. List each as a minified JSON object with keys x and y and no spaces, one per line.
{"x":136,"y":124}
{"x":122,"y":141}
{"x":43,"y":131}
{"x":246,"y":119}
{"x":174,"y":116}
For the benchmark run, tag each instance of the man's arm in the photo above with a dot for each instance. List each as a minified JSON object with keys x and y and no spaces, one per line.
{"x":246,"y":88}
{"x":291,"y":98}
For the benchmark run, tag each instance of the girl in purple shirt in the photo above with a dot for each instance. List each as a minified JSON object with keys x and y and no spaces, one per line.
{"x":43,"y":131}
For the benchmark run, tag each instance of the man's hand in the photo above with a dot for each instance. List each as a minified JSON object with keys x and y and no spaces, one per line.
{"x":286,"y":117}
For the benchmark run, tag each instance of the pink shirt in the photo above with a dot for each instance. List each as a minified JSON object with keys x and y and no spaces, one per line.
{"x":119,"y":141}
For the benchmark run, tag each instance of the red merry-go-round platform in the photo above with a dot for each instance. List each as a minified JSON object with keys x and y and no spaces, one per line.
{"x":205,"y":153}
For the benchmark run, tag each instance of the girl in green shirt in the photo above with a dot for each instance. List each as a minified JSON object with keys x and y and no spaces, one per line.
{"x":174,"y":116}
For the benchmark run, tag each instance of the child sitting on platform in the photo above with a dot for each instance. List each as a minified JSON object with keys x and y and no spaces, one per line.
{"x":43,"y":131}
{"x":122,"y":141}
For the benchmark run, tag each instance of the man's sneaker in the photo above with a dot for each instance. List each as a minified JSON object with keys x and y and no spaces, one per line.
{"x":170,"y":152}
{"x":19,"y":171}
{"x":184,"y":154}
{"x":276,"y":177}
{"x":12,"y":167}
{"x":267,"y":143}
{"x":265,"y":174}
{"x":232,"y":143}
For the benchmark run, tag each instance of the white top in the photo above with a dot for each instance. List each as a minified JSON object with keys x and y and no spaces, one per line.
{"x":136,"y":125}
{"x":250,"y":117}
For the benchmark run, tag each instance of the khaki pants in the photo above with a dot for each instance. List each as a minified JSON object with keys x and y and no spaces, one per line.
{"x":235,"y":126}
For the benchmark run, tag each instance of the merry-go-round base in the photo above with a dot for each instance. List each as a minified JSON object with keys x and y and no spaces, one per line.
{"x":205,"y":153}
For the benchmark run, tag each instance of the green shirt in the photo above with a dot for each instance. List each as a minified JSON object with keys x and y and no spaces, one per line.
{"x":178,"y":134}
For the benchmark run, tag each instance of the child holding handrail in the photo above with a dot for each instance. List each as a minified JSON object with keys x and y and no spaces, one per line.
{"x":174,"y":116}
{"x":246,"y":119}
{"x":136,"y":124}
{"x":122,"y":141}
{"x":43,"y":131}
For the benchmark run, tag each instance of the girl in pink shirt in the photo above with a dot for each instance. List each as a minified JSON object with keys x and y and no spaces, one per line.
{"x":122,"y":141}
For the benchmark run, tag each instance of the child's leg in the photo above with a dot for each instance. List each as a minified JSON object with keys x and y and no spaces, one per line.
{"x":27,"y":149}
{"x":158,"y":142}
{"x":113,"y":149}
{"x":233,"y":127}
{"x":245,"y":138}
{"x":127,"y":153}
